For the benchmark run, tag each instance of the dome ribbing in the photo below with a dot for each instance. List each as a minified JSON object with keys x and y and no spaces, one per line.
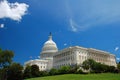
{"x":49,"y":46}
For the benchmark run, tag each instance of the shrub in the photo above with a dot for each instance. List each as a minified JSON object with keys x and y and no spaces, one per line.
{"x":53,"y":71}
{"x":64,"y":70}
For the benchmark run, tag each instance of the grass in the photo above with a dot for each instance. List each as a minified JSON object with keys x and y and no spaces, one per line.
{"x":103,"y":76}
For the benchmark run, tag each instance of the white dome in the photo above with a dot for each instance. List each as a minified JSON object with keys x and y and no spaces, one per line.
{"x":49,"y":46}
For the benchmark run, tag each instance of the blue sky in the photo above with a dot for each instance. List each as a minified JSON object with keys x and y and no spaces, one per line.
{"x":25,"y":25}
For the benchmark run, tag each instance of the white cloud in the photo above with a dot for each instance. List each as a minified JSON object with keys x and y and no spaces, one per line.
{"x":116,"y":48}
{"x":88,"y":14}
{"x":1,"y":25}
{"x":38,"y":56}
{"x":65,"y":44}
{"x":73,"y":26}
{"x":14,"y":11}
{"x":118,"y":59}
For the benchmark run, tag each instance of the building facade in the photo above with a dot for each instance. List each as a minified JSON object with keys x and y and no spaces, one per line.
{"x":42,"y":64}
{"x":76,"y":55}
{"x":50,"y":57}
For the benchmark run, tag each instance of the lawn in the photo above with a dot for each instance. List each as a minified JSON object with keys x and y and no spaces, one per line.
{"x":103,"y":76}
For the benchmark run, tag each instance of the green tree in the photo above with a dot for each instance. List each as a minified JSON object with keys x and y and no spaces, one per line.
{"x":111,"y":69}
{"x":35,"y":71}
{"x":98,"y":67}
{"x":27,"y":72}
{"x":88,"y":64}
{"x":118,"y":66}
{"x":5,"y":61}
{"x":74,"y":68}
{"x":14,"y":72}
{"x":5,"y":58}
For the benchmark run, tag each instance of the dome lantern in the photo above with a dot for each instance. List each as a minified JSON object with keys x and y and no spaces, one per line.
{"x":50,"y":36}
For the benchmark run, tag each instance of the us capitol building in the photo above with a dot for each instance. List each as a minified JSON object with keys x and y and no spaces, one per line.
{"x":51,"y":57}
